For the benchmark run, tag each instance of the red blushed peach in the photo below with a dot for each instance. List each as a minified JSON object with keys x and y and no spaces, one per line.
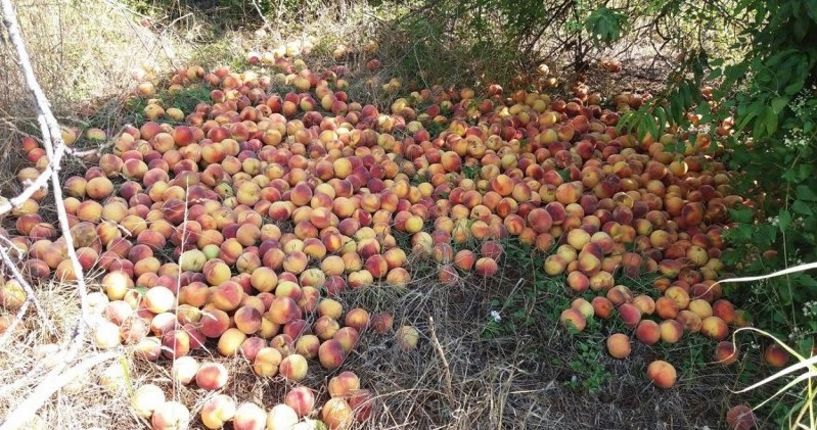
{"x":162,"y":323}
{"x":618,"y":346}
{"x":666,"y":308}
{"x":211,"y":376}
{"x":325,"y":327}
{"x":578,"y":282}
{"x":741,"y":417}
{"x":691,"y":322}
{"x":216,"y":272}
{"x":170,"y":415}
{"x":227,"y":296}
{"x":308,"y":346}
{"x":230,"y":342}
{"x":116,"y":284}
{"x":648,"y":332}
{"x":348,"y":338}
{"x":714,"y":328}
{"x":671,"y":331}
{"x":464,"y":260}
{"x":382,"y":322}
{"x":294,"y":367}
{"x":357,"y":318}
{"x":573,"y":319}
{"x":724,"y":310}
{"x":214,"y":322}
{"x":620,"y":295}
{"x":776,"y":356}
{"x":301,"y":400}
{"x":195,"y":294}
{"x":540,"y":220}
{"x":249,"y":416}
{"x":584,"y":307}
{"x":726,"y":353}
{"x":630,"y":315}
{"x":700,"y":307}
{"x":397,"y":277}
{"x":99,"y":188}
{"x":645,"y":304}
{"x":247,"y":319}
{"x":343,"y":385}
{"x":486,"y":267}
{"x":602,"y":307}
{"x":337,"y":414}
{"x":282,"y":310}
{"x":266,"y":362}
{"x":377,"y":266}
{"x":217,"y":411}
{"x":662,"y":374}
{"x":175,"y":343}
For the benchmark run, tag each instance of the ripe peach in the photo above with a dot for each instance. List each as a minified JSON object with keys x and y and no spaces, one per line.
{"x":249,"y":416}
{"x":214,"y":322}
{"x":486,"y":267}
{"x":170,"y":415}
{"x":741,"y":417}
{"x":776,"y":356}
{"x":671,"y":331}
{"x":175,"y":343}
{"x":618,"y":346}
{"x":714,"y":328}
{"x":230,"y":342}
{"x":382,"y":322}
{"x":343,"y":385}
{"x":325,"y":327}
{"x":662,"y":374}
{"x":282,"y":310}
{"x":282,"y":417}
{"x":266,"y":362}
{"x":294,"y":367}
{"x":308,"y":346}
{"x":217,"y":411}
{"x":691,"y":322}
{"x":630,"y":315}
{"x":184,"y":369}
{"x":726,"y":353}
{"x":301,"y":400}
{"x":648,"y":332}
{"x":602,"y":307}
{"x":337,"y":414}
{"x":146,"y":399}
{"x":573,"y":319}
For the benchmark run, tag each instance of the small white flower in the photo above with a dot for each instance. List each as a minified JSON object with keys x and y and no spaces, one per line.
{"x":495,"y":316}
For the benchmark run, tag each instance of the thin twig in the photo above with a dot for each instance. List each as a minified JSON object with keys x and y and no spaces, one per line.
{"x":52,"y":382}
{"x":449,"y":386}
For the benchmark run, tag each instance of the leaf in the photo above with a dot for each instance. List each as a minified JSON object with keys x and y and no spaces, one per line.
{"x":741,"y":215}
{"x":805,"y":193}
{"x":802,"y":208}
{"x":784,"y":220}
{"x":778,"y":103}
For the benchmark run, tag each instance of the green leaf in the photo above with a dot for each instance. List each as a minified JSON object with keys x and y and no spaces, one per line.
{"x":778,"y":103}
{"x":805,"y":193}
{"x":802,"y":208}
{"x":741,"y":215}
{"x":784,"y":220}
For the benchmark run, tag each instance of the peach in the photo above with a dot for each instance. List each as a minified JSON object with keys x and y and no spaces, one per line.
{"x":691,"y":321}
{"x":294,"y":367}
{"x":106,"y":335}
{"x":214,"y":322}
{"x":382,"y":322}
{"x":266,"y":362}
{"x":282,"y":417}
{"x":249,"y":416}
{"x":325,"y":327}
{"x":578,"y":281}
{"x":630,"y":315}
{"x":724,"y":310}
{"x":406,"y":338}
{"x":175,"y":343}
{"x":184,"y":369}
{"x":247,"y":319}
{"x":170,"y":415}
{"x":343,"y":385}
{"x":282,"y":310}
{"x":741,"y":417}
{"x":618,"y":346}
{"x":308,"y":346}
{"x":662,"y":374}
{"x":573,"y":319}
{"x":714,"y":328}
{"x":776,"y":356}
{"x":217,"y":411}
{"x":671,"y":331}
{"x":583,"y":306}
{"x":251,"y":346}
{"x":116,"y":284}
{"x":227,"y":296}
{"x":301,"y":400}
{"x":648,"y":332}
{"x":159,"y":299}
{"x":358,"y":319}
{"x":602,"y":307}
{"x":486,"y":267}
{"x":726,"y":352}
{"x":701,"y":308}
{"x":666,"y":308}
{"x":337,"y":414}
{"x":348,"y":338}
{"x":644,"y":303}
{"x":230,"y":341}
{"x":146,"y":399}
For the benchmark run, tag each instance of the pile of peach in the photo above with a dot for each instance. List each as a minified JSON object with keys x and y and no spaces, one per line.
{"x":239,"y":221}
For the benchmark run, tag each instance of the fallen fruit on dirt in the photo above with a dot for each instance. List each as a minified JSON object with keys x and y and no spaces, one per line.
{"x":662,"y":374}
